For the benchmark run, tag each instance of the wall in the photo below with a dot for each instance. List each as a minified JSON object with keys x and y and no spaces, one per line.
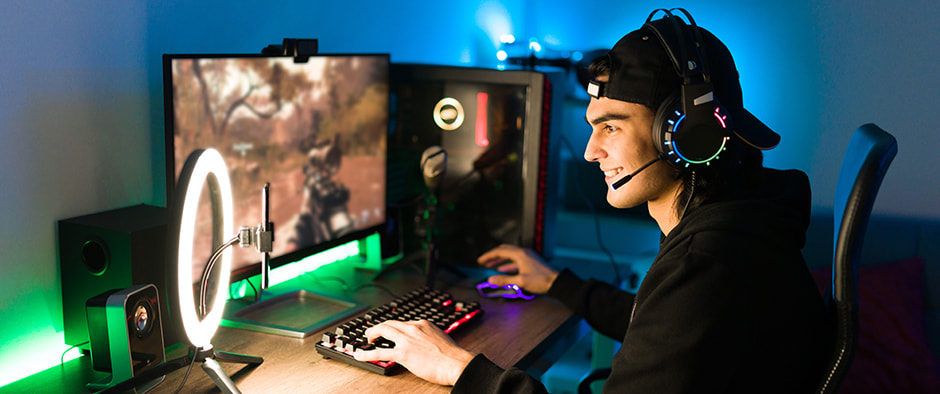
{"x":81,"y":99}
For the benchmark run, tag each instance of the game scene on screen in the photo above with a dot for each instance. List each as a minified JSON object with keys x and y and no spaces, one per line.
{"x":315,"y":131}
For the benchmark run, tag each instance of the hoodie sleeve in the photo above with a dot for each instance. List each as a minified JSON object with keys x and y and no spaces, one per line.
{"x":482,"y":376}
{"x":606,"y":308}
{"x":596,"y":301}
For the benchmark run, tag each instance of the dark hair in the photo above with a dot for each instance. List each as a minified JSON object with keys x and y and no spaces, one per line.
{"x":599,"y":67}
{"x":733,"y":175}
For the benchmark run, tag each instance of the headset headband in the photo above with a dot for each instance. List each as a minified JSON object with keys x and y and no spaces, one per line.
{"x":687,"y":65}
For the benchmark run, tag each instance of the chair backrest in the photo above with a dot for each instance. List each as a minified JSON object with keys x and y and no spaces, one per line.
{"x":866,"y":160}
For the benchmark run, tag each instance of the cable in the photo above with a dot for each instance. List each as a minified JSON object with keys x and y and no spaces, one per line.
{"x":597,"y":224}
{"x":204,"y":282}
{"x":254,"y":291}
{"x":186,"y":377}
{"x":62,"y":357}
{"x":691,"y":195}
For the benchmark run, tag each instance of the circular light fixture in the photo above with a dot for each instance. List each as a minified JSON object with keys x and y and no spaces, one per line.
{"x":203,"y":166}
{"x":448,"y":114}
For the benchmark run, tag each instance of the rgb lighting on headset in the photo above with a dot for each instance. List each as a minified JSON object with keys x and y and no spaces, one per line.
{"x":675,"y":146}
{"x":721,"y":118}
{"x":209,"y":162}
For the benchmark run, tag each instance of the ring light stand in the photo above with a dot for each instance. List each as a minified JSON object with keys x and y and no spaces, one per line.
{"x":207,"y":166}
{"x":198,"y":168}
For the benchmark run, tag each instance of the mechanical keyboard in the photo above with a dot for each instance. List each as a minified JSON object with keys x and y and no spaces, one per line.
{"x":425,"y":303}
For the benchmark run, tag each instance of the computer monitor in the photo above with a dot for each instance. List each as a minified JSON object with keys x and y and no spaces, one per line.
{"x":495,"y":126}
{"x":316,"y":131}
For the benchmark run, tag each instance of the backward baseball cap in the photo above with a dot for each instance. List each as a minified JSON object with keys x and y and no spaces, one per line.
{"x":643,"y":72}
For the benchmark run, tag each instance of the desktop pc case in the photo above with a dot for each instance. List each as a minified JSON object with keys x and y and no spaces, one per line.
{"x":495,"y":126}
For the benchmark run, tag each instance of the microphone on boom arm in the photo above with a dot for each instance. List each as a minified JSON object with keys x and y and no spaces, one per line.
{"x":623,"y":181}
{"x":433,"y":167}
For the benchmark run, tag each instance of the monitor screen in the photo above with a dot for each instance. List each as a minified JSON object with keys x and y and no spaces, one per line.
{"x":315,"y":132}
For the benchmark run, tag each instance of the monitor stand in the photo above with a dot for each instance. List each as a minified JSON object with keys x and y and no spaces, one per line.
{"x":293,"y":313}
{"x":291,"y":309}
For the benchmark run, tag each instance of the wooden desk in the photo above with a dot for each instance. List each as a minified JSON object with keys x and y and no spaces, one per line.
{"x":511,"y":333}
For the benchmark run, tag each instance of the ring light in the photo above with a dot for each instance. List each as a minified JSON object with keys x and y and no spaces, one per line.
{"x":203,"y":166}
{"x":452,"y":121}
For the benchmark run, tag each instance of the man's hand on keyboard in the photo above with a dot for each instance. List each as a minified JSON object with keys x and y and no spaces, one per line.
{"x":421,"y":347}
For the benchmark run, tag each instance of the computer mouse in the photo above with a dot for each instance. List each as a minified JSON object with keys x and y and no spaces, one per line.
{"x":509,"y":292}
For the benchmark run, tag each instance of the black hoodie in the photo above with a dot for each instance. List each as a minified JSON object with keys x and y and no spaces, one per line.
{"x":728,"y":306}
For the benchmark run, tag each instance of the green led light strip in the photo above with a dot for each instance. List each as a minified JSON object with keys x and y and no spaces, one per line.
{"x":43,"y":347}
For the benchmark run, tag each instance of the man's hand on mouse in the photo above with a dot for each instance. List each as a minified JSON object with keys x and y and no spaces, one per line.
{"x":530,"y":271}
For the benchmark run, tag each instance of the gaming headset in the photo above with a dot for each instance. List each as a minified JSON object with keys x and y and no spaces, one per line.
{"x":691,"y":127}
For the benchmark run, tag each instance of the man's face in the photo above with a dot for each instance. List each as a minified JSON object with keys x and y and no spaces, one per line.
{"x":622,"y":142}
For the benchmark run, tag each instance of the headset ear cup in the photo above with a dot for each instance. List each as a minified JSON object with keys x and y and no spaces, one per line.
{"x":690,"y":139}
{"x":667,"y":111}
{"x":704,"y":133}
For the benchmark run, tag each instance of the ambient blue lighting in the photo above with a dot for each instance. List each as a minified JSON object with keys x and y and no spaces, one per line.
{"x":535,"y":46}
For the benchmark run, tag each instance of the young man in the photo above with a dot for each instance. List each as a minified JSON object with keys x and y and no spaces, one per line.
{"x":728,"y":305}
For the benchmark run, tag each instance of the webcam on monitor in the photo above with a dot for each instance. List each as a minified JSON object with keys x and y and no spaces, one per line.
{"x":299,"y":48}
